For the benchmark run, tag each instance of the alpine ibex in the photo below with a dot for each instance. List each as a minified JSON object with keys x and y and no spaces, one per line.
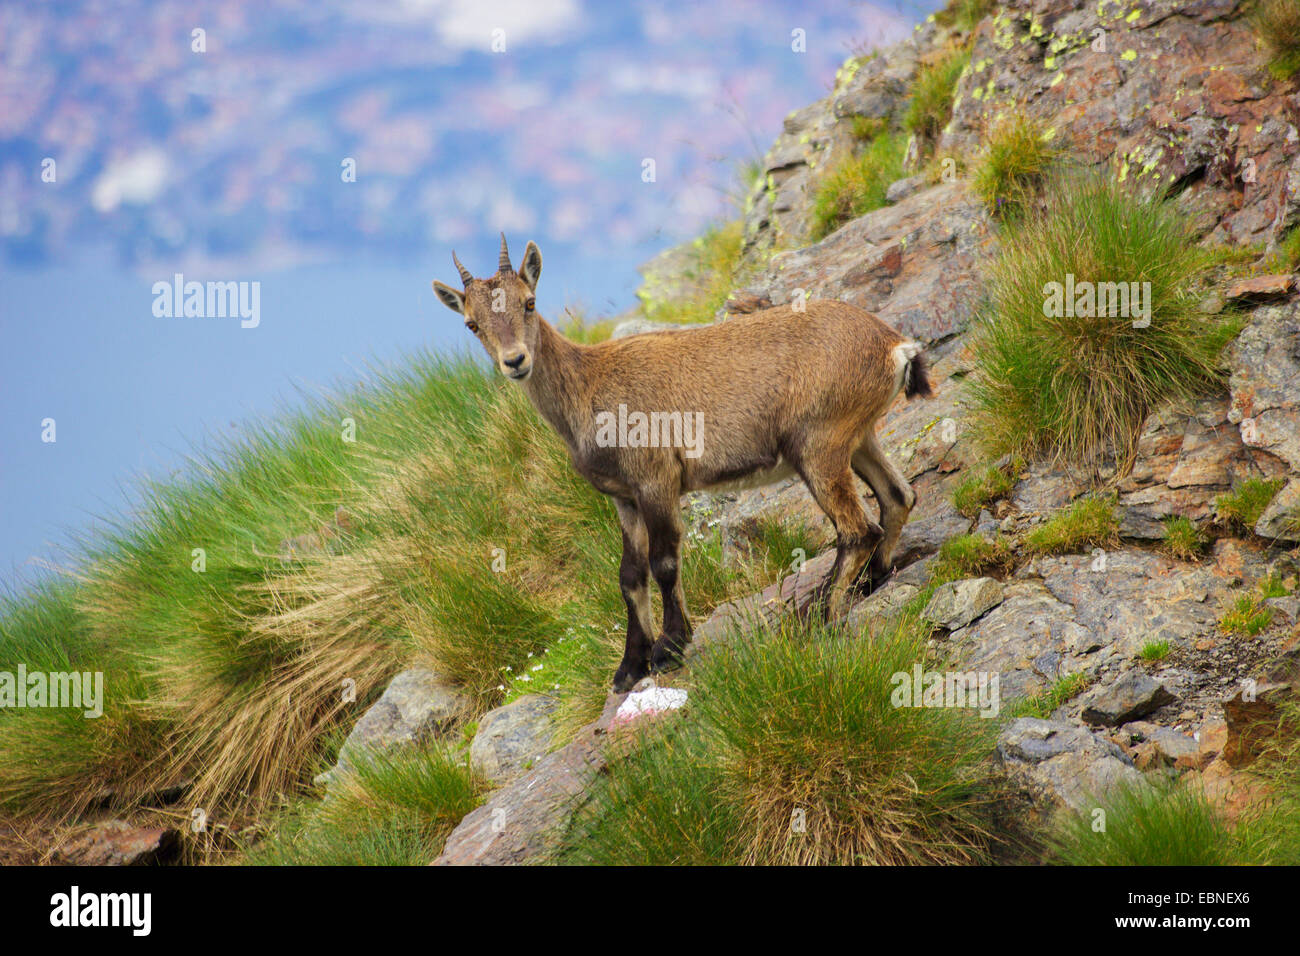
{"x":777,"y":392}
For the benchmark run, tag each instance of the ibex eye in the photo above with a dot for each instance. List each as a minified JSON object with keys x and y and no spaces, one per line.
{"x":529,"y":305}
{"x":472,"y":326}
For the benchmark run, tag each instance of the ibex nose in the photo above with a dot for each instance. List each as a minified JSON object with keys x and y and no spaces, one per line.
{"x":515,"y":360}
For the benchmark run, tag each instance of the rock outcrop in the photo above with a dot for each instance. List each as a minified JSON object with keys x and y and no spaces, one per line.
{"x":511,"y":738}
{"x":416,"y":706}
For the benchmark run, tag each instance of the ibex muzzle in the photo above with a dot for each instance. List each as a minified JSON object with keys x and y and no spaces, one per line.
{"x":777,"y":392}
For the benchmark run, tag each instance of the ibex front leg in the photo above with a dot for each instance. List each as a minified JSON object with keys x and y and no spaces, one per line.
{"x":664,"y":525}
{"x":634,"y":581}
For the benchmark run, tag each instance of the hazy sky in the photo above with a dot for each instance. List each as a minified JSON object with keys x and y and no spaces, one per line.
{"x":335,"y":153}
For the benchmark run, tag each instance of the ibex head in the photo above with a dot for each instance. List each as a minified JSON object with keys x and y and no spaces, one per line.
{"x":500,"y":310}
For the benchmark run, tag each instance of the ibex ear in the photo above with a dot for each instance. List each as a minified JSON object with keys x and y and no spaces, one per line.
{"x":450,"y":297}
{"x":530,"y":267}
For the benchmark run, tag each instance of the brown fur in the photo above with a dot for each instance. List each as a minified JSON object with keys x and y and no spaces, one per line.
{"x":780,"y":391}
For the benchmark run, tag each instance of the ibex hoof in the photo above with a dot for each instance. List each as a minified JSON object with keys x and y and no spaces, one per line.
{"x":666,"y":656}
{"x":626,"y":677}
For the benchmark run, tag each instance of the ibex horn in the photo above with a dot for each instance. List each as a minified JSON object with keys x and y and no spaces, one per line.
{"x":465,"y":275}
{"x":503,"y":263}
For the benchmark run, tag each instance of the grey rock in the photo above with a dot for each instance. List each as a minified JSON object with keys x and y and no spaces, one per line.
{"x":1168,"y":743}
{"x":1134,"y":695}
{"x":511,"y":738}
{"x":416,"y":706}
{"x":1028,"y":623}
{"x":1287,"y":607}
{"x":916,"y":263}
{"x":1265,"y":382}
{"x":882,"y":604}
{"x":524,"y":821}
{"x":1063,"y":763}
{"x":930,"y":525}
{"x":902,"y":188}
{"x":1281,"y":519}
{"x":958,"y":603}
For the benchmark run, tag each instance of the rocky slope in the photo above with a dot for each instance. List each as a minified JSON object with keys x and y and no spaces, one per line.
{"x":1170,"y":92}
{"x":1161,"y":91}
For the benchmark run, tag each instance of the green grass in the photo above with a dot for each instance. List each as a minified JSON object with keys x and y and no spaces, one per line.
{"x":1155,"y":651}
{"x":233,"y":676}
{"x":1088,"y":523}
{"x":1286,"y":257}
{"x":1015,"y":162}
{"x":1172,"y":823}
{"x":1183,"y":539}
{"x":394,"y":810}
{"x":797,"y":725}
{"x":983,"y":486}
{"x":715,"y":263}
{"x":1078,"y":389}
{"x":1149,"y":825}
{"x":1241,"y":508}
{"x":965,"y":15}
{"x":1246,"y":616}
{"x":971,"y":555}
{"x":856,"y":184}
{"x":864,"y":129}
{"x":933,"y":92}
{"x":781,"y":541}
{"x":1273,"y":586}
{"x":1063,"y":690}
{"x":1278,"y":24}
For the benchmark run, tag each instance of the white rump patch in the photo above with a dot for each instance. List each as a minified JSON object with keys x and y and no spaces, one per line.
{"x":904,"y":352}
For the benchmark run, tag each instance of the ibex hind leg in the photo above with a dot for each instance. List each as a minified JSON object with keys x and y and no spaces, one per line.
{"x":664,"y":525}
{"x":895,"y":498}
{"x":856,"y":538}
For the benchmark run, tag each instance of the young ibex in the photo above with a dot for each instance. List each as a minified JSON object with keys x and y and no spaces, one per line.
{"x":777,"y":392}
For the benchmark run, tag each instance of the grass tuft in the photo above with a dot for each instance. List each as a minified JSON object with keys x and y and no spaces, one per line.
{"x":1183,"y":540}
{"x":393,"y":810}
{"x":971,"y":555}
{"x":1147,"y":825}
{"x":933,"y":93}
{"x":1155,"y":651}
{"x":1241,"y":508}
{"x":792,"y":752}
{"x":1090,"y":522}
{"x":1247,"y":615}
{"x":965,"y":15}
{"x":1278,"y":24}
{"x":856,"y":184}
{"x":1014,"y":165}
{"x":1078,"y":388}
{"x":1063,"y":690}
{"x":983,"y":486}
{"x":715,"y":262}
